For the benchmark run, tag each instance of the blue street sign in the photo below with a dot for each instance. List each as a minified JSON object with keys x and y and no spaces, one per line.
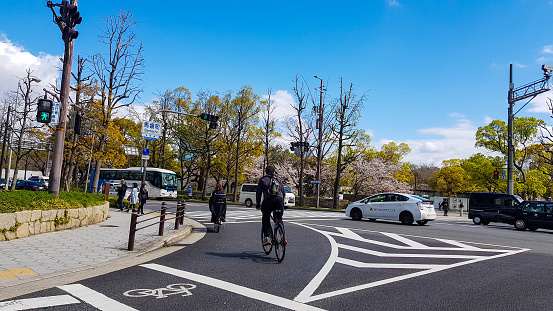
{"x":146,"y":151}
{"x":502,"y":174}
{"x":315,"y":182}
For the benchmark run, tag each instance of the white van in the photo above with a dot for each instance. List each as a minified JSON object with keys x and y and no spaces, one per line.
{"x":247,"y":196}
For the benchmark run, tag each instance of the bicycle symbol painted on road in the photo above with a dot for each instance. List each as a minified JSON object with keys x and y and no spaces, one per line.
{"x":164,"y":292}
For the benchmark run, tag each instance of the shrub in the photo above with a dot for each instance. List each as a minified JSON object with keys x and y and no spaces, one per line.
{"x":14,"y":201}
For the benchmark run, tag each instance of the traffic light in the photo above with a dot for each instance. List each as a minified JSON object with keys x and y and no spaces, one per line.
{"x":212,"y":125}
{"x":44,"y":111}
{"x":495,"y":174}
{"x":209,"y":117}
{"x":71,"y":17}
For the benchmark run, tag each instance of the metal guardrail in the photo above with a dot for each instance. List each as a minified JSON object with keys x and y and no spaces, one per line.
{"x":163,"y":214}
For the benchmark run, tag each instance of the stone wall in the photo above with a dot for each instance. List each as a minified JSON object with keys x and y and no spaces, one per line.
{"x":25,"y":223}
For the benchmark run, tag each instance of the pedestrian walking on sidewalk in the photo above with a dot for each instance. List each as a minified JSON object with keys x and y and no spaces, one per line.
{"x":445,"y":206}
{"x":133,"y":197}
{"x":142,"y":197}
{"x":121,"y":191}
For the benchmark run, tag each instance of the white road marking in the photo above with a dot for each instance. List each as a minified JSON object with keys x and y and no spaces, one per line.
{"x":400,"y":255}
{"x":95,"y":298}
{"x":39,"y":302}
{"x":306,"y":295}
{"x":233,"y":288}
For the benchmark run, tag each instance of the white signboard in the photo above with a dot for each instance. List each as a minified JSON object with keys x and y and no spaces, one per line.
{"x":55,"y":113}
{"x":151,"y":130}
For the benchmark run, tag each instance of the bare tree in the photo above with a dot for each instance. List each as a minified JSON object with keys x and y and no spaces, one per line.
{"x":298,"y":127}
{"x":268,"y":124}
{"x":346,"y":112}
{"x":24,"y":88}
{"x":118,"y":74}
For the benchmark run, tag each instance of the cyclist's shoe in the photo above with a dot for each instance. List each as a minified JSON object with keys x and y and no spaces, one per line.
{"x":266,"y":241}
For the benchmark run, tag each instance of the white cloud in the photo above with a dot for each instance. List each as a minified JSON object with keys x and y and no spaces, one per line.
{"x":548,"y":49}
{"x":539,"y":104}
{"x":487,"y":120}
{"x":392,"y":2}
{"x":15,"y":60}
{"x":283,"y":103}
{"x":456,"y":142}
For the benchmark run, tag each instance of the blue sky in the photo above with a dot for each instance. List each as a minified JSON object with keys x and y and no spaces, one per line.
{"x":434,"y":71}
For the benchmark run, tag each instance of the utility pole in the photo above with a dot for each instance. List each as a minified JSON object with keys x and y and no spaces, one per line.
{"x":319,"y":141}
{"x":530,"y":90}
{"x":66,"y":22}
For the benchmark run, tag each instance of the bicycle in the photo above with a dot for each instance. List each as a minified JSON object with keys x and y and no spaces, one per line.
{"x":278,"y":239}
{"x":217,"y":225}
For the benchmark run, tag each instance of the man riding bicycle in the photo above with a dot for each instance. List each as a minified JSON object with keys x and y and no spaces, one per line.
{"x":273,"y":200}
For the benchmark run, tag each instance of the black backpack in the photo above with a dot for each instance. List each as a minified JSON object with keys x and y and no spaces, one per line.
{"x":275,"y":188}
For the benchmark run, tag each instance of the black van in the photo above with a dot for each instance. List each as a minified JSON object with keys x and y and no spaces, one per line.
{"x":485,"y":207}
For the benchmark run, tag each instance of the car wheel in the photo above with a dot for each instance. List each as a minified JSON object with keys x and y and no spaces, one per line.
{"x":532,"y":228}
{"x":485,"y":223}
{"x":521,"y":224}
{"x":477,"y":220}
{"x":422,"y":222}
{"x":356,"y":214}
{"x":406,"y":218}
{"x":248,"y":202}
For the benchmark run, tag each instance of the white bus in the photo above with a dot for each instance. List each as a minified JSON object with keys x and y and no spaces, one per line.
{"x":161,"y":183}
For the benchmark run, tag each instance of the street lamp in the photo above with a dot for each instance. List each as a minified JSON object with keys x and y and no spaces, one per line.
{"x":319,"y":140}
{"x":529,"y":90}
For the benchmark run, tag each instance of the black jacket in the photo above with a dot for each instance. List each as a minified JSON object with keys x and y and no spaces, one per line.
{"x":121,"y":190}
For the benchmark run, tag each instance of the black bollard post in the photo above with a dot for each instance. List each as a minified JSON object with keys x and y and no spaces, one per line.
{"x":162,"y":218}
{"x":132,"y":230}
{"x":177,"y":222}
{"x":183,"y":209}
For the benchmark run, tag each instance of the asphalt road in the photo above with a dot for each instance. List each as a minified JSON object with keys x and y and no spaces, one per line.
{"x":331,"y":263}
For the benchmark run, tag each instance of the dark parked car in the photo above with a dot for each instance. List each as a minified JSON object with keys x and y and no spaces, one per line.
{"x":486,"y":207}
{"x":28,"y":185}
{"x":530,"y":215}
{"x":3,"y":183}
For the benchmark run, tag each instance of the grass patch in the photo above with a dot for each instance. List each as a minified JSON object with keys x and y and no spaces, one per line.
{"x":14,"y":201}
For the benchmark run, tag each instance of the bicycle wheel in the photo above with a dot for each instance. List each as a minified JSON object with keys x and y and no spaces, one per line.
{"x":267,"y":248}
{"x":280,"y":242}
{"x":217,"y":225}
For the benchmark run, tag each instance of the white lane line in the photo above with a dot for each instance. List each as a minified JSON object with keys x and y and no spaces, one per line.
{"x":401,"y":255}
{"x":359,"y":264}
{"x":459,"y":244}
{"x":94,"y":298}
{"x":308,"y":291}
{"x":39,"y":302}
{"x":233,"y":288}
{"x":405,"y":240}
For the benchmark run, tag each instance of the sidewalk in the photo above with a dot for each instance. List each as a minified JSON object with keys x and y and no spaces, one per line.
{"x":49,"y":255}
{"x":453,"y":216}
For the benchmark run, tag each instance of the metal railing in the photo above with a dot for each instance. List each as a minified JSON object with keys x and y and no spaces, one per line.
{"x":165,"y":214}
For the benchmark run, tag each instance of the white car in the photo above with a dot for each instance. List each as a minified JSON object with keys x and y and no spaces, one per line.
{"x":393,"y":206}
{"x":248,"y":192}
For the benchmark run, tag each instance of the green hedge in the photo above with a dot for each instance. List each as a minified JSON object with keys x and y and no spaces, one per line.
{"x":13,"y":201}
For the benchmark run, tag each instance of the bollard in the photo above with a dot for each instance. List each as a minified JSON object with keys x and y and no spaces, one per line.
{"x":183,"y":209}
{"x":132,"y":231}
{"x":162,"y":218}
{"x":177,"y":222}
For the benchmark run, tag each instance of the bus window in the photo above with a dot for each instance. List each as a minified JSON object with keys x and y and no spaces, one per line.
{"x":135,"y":175}
{"x":168,"y":180}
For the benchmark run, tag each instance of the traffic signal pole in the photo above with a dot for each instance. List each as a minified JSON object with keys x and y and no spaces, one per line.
{"x":57,"y":158}
{"x":530,"y":90}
